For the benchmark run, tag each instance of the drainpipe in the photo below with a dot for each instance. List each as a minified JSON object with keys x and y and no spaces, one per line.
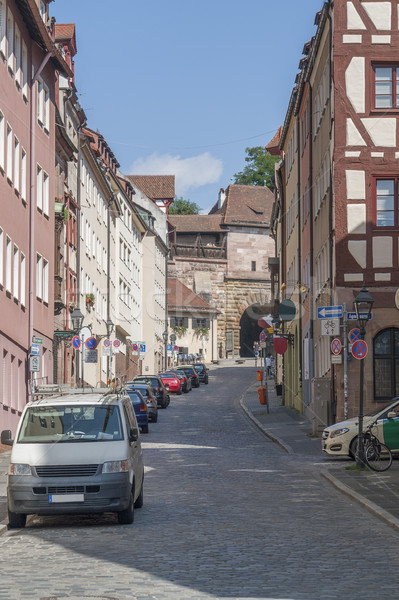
{"x":330,"y":214}
{"x":311,"y":253}
{"x":299,"y":270}
{"x":32,"y":207}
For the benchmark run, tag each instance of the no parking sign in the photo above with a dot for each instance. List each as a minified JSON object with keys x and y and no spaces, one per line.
{"x":359,"y":349}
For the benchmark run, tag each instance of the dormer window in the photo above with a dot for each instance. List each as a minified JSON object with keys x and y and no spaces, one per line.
{"x":43,"y":9}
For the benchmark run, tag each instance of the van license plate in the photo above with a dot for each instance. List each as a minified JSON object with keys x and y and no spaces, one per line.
{"x":66,"y":498}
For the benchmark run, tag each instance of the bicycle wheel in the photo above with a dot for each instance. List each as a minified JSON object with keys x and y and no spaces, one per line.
{"x":378,"y":456}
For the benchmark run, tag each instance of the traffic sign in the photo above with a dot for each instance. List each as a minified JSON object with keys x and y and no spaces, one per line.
{"x":76,"y":342}
{"x":142,"y":348}
{"x":34,"y":363}
{"x":107,"y":351}
{"x":354,"y":335}
{"x":91,"y":355}
{"x":91,"y":343}
{"x":329,"y":326}
{"x":35,"y":349}
{"x":169,"y":347}
{"x":327,"y":312}
{"x":359,"y":349}
{"x":37,"y":340}
{"x":262,"y":336}
{"x":176,"y":348}
{"x":116,"y":343}
{"x":85,"y":333}
{"x":352,"y":316}
{"x":336,"y":346}
{"x":106,"y":343}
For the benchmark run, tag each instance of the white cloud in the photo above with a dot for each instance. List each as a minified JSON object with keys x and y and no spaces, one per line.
{"x":190,"y":173}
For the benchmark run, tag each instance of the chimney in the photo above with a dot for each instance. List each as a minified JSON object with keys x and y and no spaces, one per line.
{"x":221,"y":198}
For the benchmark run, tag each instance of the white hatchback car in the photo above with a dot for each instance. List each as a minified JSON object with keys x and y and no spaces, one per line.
{"x":340,"y":439}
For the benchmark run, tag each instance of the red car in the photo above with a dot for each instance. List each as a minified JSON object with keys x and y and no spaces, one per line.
{"x":171,"y":381}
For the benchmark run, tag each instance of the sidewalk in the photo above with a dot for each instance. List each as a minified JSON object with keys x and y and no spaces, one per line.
{"x":378,"y":492}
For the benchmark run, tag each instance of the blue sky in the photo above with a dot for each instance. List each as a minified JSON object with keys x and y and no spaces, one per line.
{"x":183,"y":87}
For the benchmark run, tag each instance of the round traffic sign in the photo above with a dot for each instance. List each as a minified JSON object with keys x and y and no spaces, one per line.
{"x":107,"y":343}
{"x":135,"y":347}
{"x":336,"y":346}
{"x":175,"y":348}
{"x":354,"y":335}
{"x":359,"y":349}
{"x":262,"y":336}
{"x":91,"y":343}
{"x":117,"y":343}
{"x":76,"y":342}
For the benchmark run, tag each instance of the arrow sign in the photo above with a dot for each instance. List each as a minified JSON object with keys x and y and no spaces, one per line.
{"x":359,"y":349}
{"x":327,"y":312}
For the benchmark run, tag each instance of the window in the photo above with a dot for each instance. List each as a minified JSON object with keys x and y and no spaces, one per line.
{"x":23,"y":280}
{"x":18,"y":72}
{"x":43,"y":10}
{"x":39,"y":276}
{"x":9,"y":152}
{"x":16,"y":164}
{"x":10,"y":41}
{"x":1,"y":256}
{"x":45,"y":281}
{"x":45,"y":194}
{"x":386,"y":365}
{"x":23,"y":174}
{"x":39,"y":188}
{"x":8,"y":264}
{"x":386,"y":202}
{"x":201,"y":322}
{"x":24,"y":82}
{"x":253,"y":265}
{"x":386,"y":86}
{"x":179,"y":321}
{"x":2,"y":140}
{"x":43,"y":104}
{"x":15,"y":291}
{"x":3,"y":25}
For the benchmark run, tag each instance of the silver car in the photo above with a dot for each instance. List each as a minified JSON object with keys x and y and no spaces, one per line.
{"x":149,"y":397}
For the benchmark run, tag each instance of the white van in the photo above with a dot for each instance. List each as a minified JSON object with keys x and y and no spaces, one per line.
{"x":75,"y":453}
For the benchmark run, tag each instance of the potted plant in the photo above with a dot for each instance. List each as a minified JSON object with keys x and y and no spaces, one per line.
{"x":90,"y":299}
{"x":179,"y":330}
{"x":201,"y":331}
{"x":59,"y":206}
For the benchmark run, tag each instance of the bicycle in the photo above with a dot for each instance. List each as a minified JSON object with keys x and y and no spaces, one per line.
{"x":376,"y":454}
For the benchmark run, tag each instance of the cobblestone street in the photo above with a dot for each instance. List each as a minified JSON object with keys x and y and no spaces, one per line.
{"x":227,"y":514}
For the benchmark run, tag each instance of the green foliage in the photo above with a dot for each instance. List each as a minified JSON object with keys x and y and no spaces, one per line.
{"x":201,"y":331}
{"x":180,"y":206}
{"x":179,"y":330}
{"x":260,"y":168}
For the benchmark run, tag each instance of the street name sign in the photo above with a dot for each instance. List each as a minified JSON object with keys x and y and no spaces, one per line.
{"x":352,"y":316}
{"x":328,"y":312}
{"x":37,"y":340}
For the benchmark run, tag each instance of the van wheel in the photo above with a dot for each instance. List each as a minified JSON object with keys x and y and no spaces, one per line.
{"x":16,"y":520}
{"x":140,"y":498}
{"x":126,"y":517}
{"x":144,"y":429}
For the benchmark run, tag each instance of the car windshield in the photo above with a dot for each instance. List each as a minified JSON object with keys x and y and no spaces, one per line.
{"x":188,"y":370}
{"x":199,"y":368}
{"x":168,"y":376}
{"x":134,"y":397}
{"x":376,"y":411}
{"x":66,"y":424}
{"x":152,"y":380}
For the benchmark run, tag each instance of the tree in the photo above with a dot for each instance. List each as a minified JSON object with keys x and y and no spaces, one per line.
{"x":180,"y":206}
{"x":260,"y":168}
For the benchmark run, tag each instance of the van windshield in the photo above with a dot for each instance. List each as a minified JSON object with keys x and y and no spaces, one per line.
{"x":69,"y":424}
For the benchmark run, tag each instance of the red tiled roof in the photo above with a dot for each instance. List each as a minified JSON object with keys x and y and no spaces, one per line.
{"x":64,"y":31}
{"x":155,"y":187}
{"x":274,"y":145}
{"x":196,"y":223}
{"x":247,"y":204}
{"x":180,"y":296}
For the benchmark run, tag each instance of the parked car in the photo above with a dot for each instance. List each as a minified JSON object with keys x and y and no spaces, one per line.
{"x":341,"y":439}
{"x":202,"y":372}
{"x":192,"y":373}
{"x":152,"y":405}
{"x":75,"y":453}
{"x":171,"y":381}
{"x":157,"y":387}
{"x":185,"y":380}
{"x":140,"y":409}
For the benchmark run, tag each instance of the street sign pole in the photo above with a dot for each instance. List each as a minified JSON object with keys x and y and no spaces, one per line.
{"x":345,"y":366}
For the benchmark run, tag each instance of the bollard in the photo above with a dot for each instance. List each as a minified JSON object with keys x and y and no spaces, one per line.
{"x":259,"y":375}
{"x":262,"y":395}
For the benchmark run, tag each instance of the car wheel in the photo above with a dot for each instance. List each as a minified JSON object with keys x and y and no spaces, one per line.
{"x":353,"y":448}
{"x":16,"y":520}
{"x":155,"y":418}
{"x":126,"y":517}
{"x":144,"y":428}
{"x":206,"y":381}
{"x":179,"y":393}
{"x":140,"y":498}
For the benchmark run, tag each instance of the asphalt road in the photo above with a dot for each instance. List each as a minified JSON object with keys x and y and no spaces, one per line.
{"x":227,"y":514}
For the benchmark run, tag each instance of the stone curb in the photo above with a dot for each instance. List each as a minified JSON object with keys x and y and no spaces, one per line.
{"x":371,"y":506}
{"x":270,"y":435}
{"x":3,"y":528}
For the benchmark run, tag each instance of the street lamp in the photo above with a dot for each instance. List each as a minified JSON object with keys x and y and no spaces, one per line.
{"x":363,"y":304}
{"x":77,"y":319}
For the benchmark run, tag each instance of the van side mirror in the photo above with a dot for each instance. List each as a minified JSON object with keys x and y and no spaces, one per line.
{"x":6,"y":438}
{"x":134,"y":434}
{"x":391,"y":415}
